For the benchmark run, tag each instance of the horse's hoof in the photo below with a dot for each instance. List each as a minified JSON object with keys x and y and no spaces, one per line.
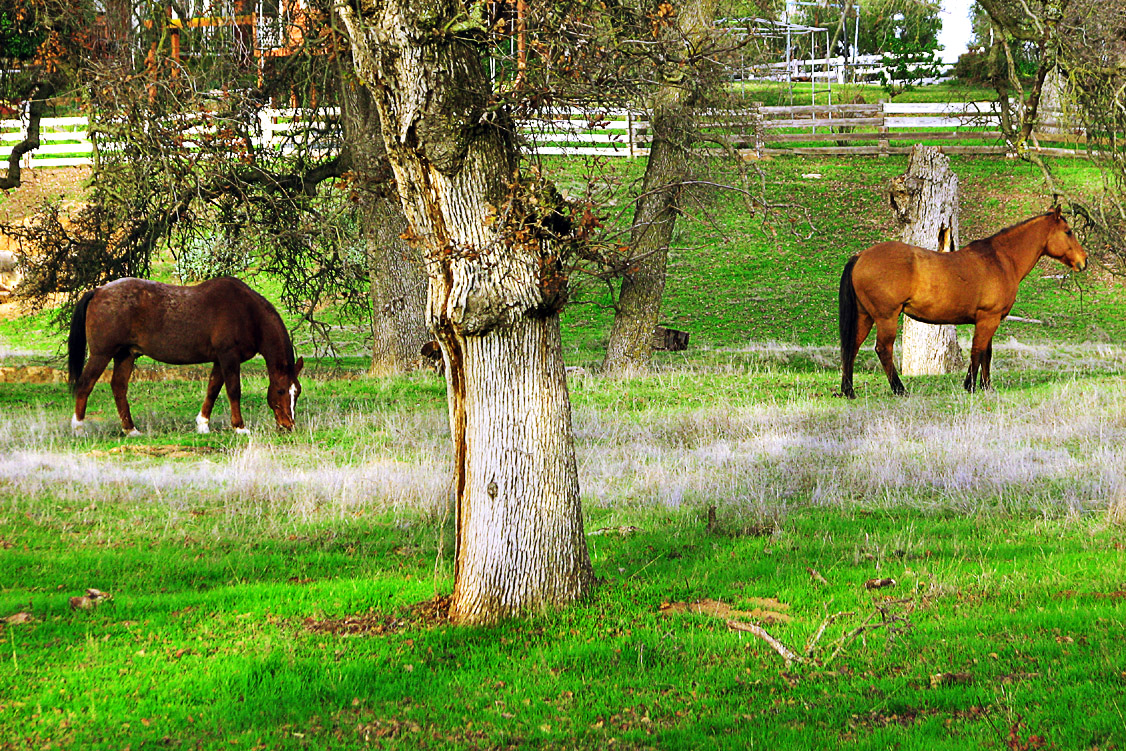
{"x":134,"y":433}
{"x":242,"y":431}
{"x":201,"y":424}
{"x":77,"y":426}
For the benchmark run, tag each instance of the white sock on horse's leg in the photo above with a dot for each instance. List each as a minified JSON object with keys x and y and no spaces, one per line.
{"x":77,"y":425}
{"x":201,"y":424}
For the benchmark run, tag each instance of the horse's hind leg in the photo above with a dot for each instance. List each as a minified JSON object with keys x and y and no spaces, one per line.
{"x":122,"y":371}
{"x":214,"y":384}
{"x":885,"y":348}
{"x":93,"y":370}
{"x":863,"y":327}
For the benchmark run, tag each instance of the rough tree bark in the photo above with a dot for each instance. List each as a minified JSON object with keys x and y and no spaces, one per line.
{"x":925,"y":201}
{"x":673,"y":128}
{"x":398,"y":279}
{"x":494,"y":293}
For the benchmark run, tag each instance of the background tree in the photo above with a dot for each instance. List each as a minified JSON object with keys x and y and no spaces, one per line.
{"x":885,"y":25}
{"x":682,"y":84}
{"x":925,"y":202}
{"x":1082,"y":40}
{"x":176,"y":101}
{"x":38,"y":44}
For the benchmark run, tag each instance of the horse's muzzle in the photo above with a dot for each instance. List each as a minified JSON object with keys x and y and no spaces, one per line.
{"x":1082,"y":265}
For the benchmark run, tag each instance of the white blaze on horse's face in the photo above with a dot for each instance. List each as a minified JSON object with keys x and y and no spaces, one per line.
{"x":283,"y":400}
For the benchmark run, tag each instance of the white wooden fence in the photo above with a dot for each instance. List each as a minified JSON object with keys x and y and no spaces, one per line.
{"x":843,"y":129}
{"x":65,"y":141}
{"x":755,"y":131}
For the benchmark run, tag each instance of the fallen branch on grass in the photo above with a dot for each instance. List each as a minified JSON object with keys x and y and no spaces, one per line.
{"x":787,"y":654}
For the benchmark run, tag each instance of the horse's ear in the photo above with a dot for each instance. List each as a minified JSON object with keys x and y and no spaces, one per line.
{"x":1058,"y":210}
{"x":298,"y":365}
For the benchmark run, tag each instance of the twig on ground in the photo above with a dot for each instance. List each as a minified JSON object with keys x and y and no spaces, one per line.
{"x":787,"y":654}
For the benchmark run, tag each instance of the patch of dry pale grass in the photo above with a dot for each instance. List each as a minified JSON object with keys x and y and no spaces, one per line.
{"x":1062,"y":452}
{"x":1055,"y":450}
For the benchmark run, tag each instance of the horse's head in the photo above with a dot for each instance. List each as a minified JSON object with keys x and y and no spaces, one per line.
{"x":1061,"y":243}
{"x":283,"y":393}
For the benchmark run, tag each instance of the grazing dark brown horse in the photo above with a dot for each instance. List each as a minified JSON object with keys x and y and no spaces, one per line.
{"x":221,"y":321}
{"x":977,"y":284}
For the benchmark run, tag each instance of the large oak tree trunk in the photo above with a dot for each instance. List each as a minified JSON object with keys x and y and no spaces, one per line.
{"x":493,"y":297}
{"x":925,"y":201}
{"x":673,"y":128}
{"x":398,"y":280}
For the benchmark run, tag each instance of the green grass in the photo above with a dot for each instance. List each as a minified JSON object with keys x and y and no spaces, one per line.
{"x":994,"y":624}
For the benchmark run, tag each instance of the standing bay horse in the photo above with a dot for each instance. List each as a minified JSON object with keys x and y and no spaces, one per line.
{"x":977,"y":284}
{"x":221,"y":321}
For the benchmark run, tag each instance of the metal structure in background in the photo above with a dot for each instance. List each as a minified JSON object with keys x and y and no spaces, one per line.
{"x":782,"y":39}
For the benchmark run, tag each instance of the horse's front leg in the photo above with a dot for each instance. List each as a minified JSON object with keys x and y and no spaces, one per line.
{"x":885,"y":348}
{"x":93,"y":370}
{"x":981,"y":353}
{"x":214,"y":384}
{"x":122,"y":371}
{"x":986,"y":361}
{"x":232,"y":377}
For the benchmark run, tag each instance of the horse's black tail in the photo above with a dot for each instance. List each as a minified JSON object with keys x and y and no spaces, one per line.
{"x":849,"y":312}
{"x":76,"y":342}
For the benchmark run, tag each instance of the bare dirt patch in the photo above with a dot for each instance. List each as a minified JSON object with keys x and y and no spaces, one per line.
{"x":63,"y":184}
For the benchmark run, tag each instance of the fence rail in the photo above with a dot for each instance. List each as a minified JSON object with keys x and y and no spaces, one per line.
{"x":754,"y":131}
{"x":842,"y":129}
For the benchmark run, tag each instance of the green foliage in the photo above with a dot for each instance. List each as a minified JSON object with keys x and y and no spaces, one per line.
{"x":907,"y":63}
{"x":17,"y":41}
{"x":882,"y":22}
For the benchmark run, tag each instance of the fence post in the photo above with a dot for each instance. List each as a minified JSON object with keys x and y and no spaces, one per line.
{"x":266,"y":126}
{"x":25,"y":126}
{"x":882,"y":130}
{"x":631,"y":133}
{"x":758,"y":123}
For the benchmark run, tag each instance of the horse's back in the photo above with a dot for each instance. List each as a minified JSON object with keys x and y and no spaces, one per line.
{"x":172,"y":323}
{"x":927,"y":285}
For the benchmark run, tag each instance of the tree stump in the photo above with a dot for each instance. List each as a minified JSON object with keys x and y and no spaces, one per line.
{"x":925,"y":201}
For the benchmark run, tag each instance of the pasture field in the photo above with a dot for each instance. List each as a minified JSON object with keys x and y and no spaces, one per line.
{"x":946,"y":571}
{"x":264,"y":590}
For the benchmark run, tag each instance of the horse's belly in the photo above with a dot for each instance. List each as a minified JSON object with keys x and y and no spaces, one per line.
{"x":171,"y":350}
{"x":938,"y":312}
